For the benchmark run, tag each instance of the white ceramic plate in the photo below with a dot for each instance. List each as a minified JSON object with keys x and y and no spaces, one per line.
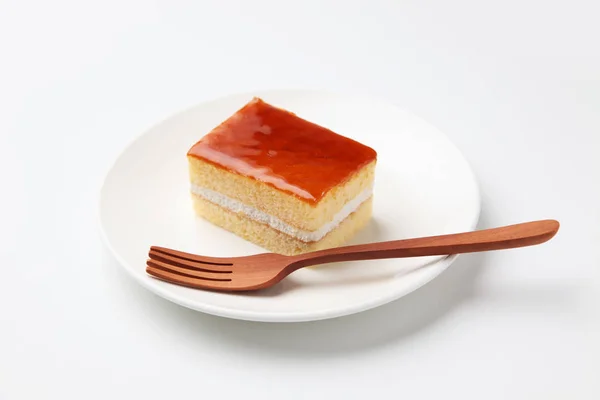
{"x":423,"y":187}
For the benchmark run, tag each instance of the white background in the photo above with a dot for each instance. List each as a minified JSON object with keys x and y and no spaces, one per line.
{"x":514,"y":84}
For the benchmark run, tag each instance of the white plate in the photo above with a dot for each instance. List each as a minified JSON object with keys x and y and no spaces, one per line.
{"x":423,"y":187}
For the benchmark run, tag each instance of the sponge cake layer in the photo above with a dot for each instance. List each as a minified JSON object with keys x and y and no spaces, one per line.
{"x":276,"y":241}
{"x":281,"y":205}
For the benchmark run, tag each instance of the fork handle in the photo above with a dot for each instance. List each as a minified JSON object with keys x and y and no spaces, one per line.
{"x":507,"y":237}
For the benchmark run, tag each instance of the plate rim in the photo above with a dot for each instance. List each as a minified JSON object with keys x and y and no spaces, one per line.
{"x":442,"y":264}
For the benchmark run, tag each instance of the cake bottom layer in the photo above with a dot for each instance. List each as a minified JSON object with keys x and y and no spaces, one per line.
{"x":275,"y":241}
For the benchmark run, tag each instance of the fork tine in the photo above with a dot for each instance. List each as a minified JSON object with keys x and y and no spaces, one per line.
{"x":197,"y":265}
{"x":192,"y":257}
{"x":192,"y":273}
{"x":195,"y":283}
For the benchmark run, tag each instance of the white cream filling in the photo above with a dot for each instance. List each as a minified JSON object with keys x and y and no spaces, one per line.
{"x":274,"y":222}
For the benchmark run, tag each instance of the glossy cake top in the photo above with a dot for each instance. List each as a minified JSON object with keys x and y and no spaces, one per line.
{"x":276,"y":147}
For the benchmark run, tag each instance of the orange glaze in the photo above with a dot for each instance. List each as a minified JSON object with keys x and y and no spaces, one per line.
{"x":278,"y":148}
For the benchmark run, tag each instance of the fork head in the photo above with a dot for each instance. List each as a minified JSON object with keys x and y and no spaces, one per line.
{"x":214,"y":273}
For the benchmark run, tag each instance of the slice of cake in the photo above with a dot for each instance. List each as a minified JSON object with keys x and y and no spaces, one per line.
{"x":282,"y":182}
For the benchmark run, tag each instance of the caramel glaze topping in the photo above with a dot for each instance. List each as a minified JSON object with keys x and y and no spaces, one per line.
{"x":276,"y":147}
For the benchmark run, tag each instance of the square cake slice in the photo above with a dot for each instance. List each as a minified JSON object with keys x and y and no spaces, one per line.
{"x":280,"y":181}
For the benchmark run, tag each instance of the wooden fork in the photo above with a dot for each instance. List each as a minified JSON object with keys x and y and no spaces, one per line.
{"x":264,"y":270}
